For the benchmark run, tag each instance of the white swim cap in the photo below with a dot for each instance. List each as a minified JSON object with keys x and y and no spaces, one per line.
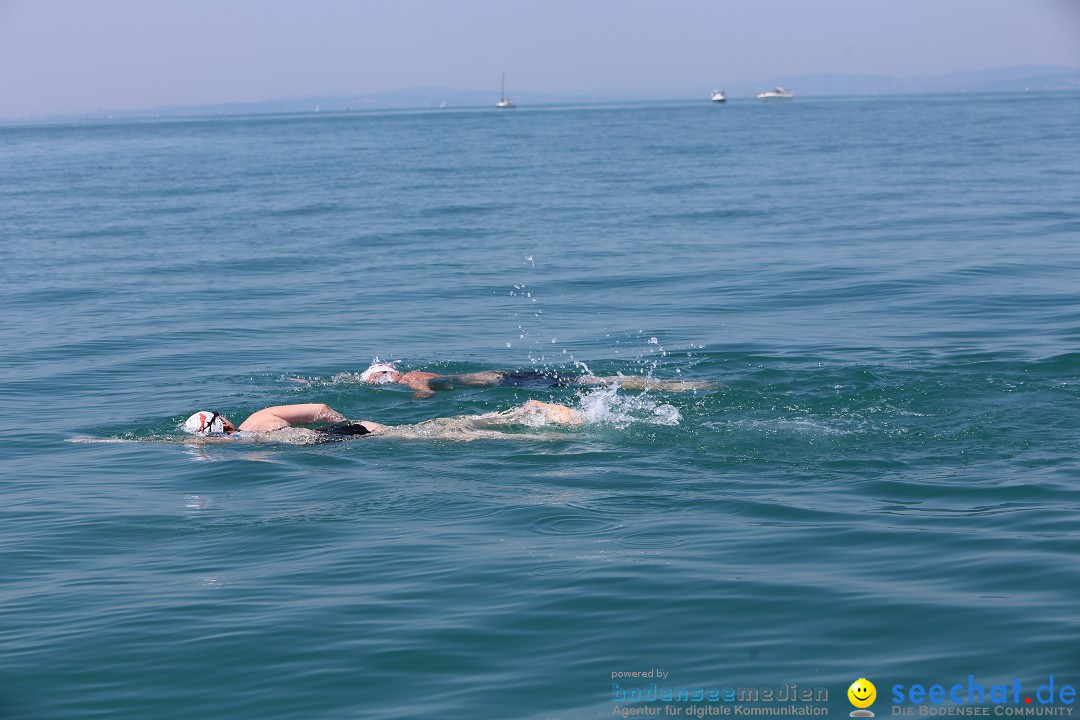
{"x":204,"y":422}
{"x":379,"y":374}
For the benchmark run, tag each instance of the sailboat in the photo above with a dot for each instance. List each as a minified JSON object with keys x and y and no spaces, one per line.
{"x":504,"y":102}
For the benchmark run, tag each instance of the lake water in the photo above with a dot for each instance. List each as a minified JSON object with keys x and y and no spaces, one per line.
{"x":885,"y":484}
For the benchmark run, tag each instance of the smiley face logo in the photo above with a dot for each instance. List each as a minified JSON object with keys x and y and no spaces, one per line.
{"x":862,"y":694}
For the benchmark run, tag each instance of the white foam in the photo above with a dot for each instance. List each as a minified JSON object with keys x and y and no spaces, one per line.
{"x":105,"y":441}
{"x":605,"y":405}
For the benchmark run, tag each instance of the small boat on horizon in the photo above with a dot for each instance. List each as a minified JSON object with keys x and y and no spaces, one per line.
{"x":504,"y":101}
{"x":719,"y":96}
{"x":780,"y":93}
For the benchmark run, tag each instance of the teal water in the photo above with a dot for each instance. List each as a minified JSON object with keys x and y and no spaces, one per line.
{"x":886,"y":484}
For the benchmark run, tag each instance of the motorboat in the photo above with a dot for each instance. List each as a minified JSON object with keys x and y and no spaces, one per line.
{"x":779,"y":93}
{"x":504,"y":101}
{"x":719,"y":96}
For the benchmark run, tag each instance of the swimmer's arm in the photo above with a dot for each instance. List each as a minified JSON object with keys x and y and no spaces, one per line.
{"x":553,"y":412}
{"x":550,"y":412}
{"x":421,"y":389}
{"x":628,"y":382}
{"x":426,"y":384}
{"x":420,"y":382}
{"x":283,"y":416}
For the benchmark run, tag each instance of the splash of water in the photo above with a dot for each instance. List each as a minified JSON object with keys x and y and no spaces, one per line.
{"x":605,"y":405}
{"x":584,"y":368}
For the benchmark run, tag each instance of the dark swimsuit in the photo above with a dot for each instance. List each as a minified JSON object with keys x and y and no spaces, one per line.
{"x":529,"y":379}
{"x":342,"y":431}
{"x":532,"y":379}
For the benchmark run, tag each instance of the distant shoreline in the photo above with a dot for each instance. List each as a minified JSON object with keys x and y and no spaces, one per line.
{"x":1015,"y":80}
{"x":196,"y":114}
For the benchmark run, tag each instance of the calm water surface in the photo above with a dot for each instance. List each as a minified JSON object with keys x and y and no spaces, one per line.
{"x":885,"y":485}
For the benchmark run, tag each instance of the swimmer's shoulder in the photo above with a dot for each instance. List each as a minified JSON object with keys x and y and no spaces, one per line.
{"x":418,"y":376}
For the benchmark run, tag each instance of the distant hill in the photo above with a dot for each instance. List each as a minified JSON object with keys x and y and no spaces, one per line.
{"x":1034,"y":78}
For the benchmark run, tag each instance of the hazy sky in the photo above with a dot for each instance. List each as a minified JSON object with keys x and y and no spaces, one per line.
{"x":73,"y":56}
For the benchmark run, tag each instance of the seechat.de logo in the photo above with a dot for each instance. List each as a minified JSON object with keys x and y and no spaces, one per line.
{"x":862,"y":695}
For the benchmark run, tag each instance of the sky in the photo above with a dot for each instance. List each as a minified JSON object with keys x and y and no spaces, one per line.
{"x":83,"y":56}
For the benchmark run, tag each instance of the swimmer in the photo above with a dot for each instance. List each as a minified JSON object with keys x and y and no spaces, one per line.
{"x":280,"y":417}
{"x":425,"y":384}
{"x":272,"y":422}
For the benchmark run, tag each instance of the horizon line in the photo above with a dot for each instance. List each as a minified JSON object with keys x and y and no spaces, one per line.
{"x":550,"y":98}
